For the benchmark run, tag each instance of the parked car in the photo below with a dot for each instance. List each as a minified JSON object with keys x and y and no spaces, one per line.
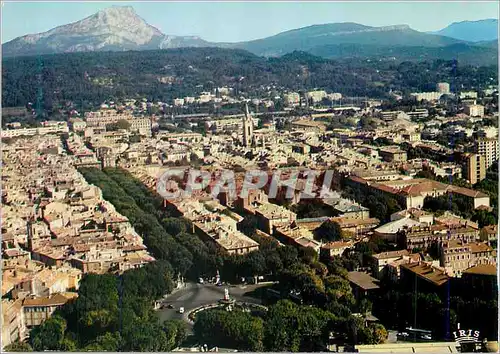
{"x":170,"y":306}
{"x":181,"y":309}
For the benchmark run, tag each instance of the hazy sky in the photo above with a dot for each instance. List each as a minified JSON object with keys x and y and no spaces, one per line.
{"x":238,"y":21}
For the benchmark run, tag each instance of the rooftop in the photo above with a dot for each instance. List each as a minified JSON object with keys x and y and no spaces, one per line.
{"x":483,"y":269}
{"x":53,"y":300}
{"x":363,"y":280}
{"x":397,"y":225}
{"x":392,"y":254}
{"x":427,"y":272}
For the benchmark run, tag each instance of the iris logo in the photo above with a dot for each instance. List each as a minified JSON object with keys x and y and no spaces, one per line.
{"x":463,"y":336}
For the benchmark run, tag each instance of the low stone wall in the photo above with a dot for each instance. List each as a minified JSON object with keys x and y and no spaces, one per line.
{"x":191,"y":315}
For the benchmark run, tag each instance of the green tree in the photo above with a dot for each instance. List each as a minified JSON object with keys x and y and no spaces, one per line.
{"x":18,"y":347}
{"x":329,"y":231}
{"x":49,"y":335}
{"x":109,"y":342}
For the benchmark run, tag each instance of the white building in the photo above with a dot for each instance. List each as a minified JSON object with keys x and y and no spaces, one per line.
{"x":292,"y":99}
{"x":179,"y":102}
{"x":316,"y":96}
{"x":428,"y":96}
{"x":443,"y":87}
{"x":468,"y":94}
{"x":475,"y":110}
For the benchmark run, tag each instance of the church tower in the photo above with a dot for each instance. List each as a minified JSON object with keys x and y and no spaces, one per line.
{"x":247,"y":128}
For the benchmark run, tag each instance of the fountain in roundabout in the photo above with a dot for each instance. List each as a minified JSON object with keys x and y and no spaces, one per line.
{"x":227,"y":302}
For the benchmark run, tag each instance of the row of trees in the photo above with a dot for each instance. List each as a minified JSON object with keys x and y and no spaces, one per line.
{"x":112,"y":313}
{"x":115,"y":313}
{"x":320,"y":284}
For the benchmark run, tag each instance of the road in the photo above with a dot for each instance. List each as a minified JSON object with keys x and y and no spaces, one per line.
{"x":196,"y":295}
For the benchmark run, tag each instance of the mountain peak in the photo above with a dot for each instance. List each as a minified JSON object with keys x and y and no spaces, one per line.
{"x":115,"y":28}
{"x":117,"y":11}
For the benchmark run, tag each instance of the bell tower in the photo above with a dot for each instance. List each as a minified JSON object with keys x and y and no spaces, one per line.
{"x":247,"y":128}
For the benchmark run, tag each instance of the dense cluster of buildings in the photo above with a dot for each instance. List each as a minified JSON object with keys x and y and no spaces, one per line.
{"x":56,"y":227}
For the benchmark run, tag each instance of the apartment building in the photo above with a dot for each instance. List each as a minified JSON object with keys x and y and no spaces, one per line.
{"x":457,"y":255}
{"x":474,"y":110}
{"x":271,"y":216}
{"x":13,"y":322}
{"x":180,"y":137}
{"x":392,"y":154}
{"x":426,"y":277}
{"x":336,"y":248}
{"x":412,"y":192}
{"x":77,"y":124}
{"x":443,"y":87}
{"x":53,"y":129}
{"x":316,"y":96}
{"x":291,"y":99}
{"x":474,"y":168}
{"x":489,"y":234}
{"x":103,"y":118}
{"x":488,"y":147}
{"x":381,"y":260}
{"x":38,"y":309}
{"x":222,"y":230}
{"x":422,"y":237}
{"x":427,"y":96}
{"x":482,"y":279}
{"x":389,"y":116}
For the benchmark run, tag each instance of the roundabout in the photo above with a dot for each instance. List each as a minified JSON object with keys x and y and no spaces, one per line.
{"x":226,"y":303}
{"x":195,"y":297}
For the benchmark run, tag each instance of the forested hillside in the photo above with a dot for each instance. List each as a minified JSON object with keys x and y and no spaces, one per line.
{"x":54,"y":81}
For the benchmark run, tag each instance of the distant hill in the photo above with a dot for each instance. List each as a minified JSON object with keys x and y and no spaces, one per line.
{"x":472,"y":31}
{"x":316,"y":36}
{"x":119,"y":28}
{"x":484,"y":53}
{"x":488,"y":44}
{"x":87,"y":79}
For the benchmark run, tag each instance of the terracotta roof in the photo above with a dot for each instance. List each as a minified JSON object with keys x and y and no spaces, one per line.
{"x":477,"y":247}
{"x":491,"y":229}
{"x":13,"y":252}
{"x":133,"y":248}
{"x":54,"y":300}
{"x":429,"y":273}
{"x":392,"y":254}
{"x":423,"y":187}
{"x":337,"y":245}
{"x":467,"y":192}
{"x":483,"y":269}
